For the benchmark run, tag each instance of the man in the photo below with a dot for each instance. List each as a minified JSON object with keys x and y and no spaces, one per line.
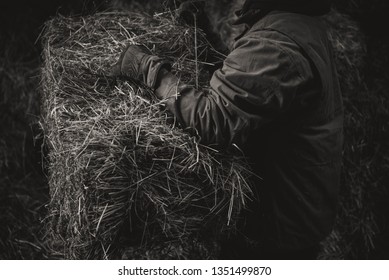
{"x":277,"y":97}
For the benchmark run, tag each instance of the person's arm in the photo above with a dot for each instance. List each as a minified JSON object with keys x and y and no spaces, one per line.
{"x":257,"y":83}
{"x":261,"y":80}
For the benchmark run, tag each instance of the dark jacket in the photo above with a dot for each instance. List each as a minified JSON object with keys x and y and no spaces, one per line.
{"x":277,"y":97}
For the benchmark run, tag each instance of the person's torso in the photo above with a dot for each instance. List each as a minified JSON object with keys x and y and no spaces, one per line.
{"x":298,"y":155}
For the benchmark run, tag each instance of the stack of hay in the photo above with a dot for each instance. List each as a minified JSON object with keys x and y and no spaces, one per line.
{"x":123,"y":182}
{"x":355,"y":228}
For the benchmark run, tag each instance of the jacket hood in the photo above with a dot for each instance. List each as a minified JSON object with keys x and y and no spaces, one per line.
{"x":308,"y":7}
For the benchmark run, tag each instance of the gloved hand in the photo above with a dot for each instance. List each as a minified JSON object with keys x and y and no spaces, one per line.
{"x":137,"y":62}
{"x":189,"y":10}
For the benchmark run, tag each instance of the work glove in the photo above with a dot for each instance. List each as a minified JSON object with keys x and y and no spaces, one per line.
{"x":138,"y":63}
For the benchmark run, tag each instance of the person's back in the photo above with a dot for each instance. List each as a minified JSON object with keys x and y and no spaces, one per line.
{"x":298,"y":152}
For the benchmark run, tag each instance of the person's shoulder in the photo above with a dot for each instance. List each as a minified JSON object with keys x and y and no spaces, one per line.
{"x":282,"y":18}
{"x":288,"y":23}
{"x":259,"y":37}
{"x":288,"y":29}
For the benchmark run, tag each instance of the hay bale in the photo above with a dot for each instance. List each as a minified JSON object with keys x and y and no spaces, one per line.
{"x":121,"y":178}
{"x":149,"y":6}
{"x":349,"y":47}
{"x":364,"y":10}
{"x":355,"y":227}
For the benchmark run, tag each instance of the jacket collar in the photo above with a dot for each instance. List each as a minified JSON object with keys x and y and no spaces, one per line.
{"x":249,"y":17}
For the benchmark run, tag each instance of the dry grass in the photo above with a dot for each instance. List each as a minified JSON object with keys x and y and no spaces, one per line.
{"x":355,"y":228}
{"x":349,"y":46}
{"x":120,"y":175}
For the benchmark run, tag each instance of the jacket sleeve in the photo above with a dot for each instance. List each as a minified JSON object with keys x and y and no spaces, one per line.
{"x":257,"y":83}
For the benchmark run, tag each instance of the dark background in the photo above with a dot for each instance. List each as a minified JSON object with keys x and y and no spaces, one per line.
{"x":23,"y":186}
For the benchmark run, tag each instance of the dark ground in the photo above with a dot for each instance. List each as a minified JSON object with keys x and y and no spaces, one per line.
{"x":23,"y":187}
